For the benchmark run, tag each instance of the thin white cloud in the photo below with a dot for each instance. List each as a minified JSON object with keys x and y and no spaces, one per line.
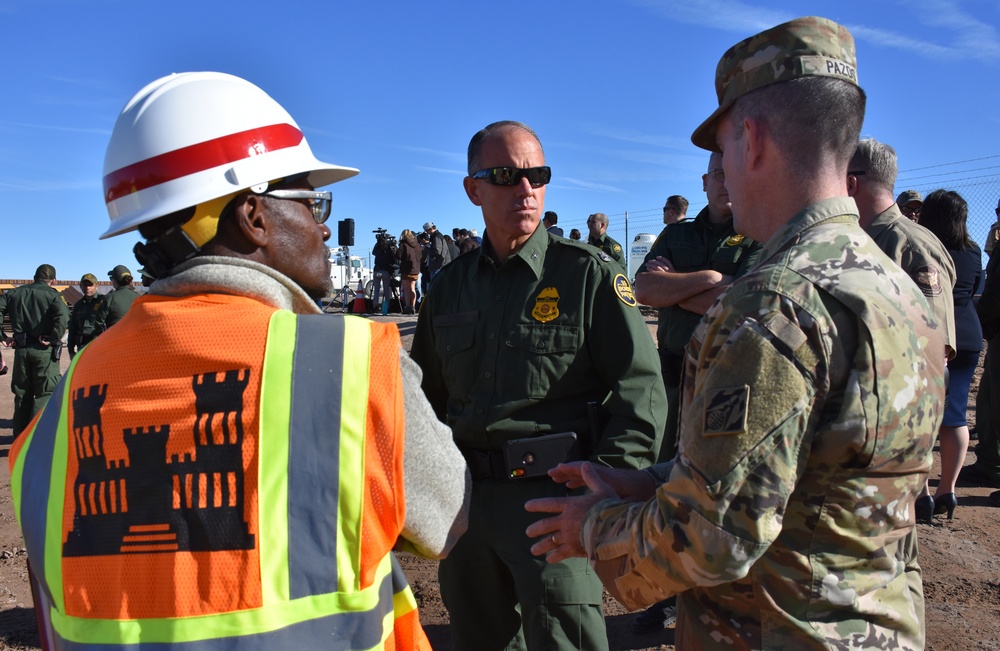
{"x":642,"y":138}
{"x":451,"y":155}
{"x":17,"y":185}
{"x":441,"y":170}
{"x":960,"y":36}
{"x":578,"y":184}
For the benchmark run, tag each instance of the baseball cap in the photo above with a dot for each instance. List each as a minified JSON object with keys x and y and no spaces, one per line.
{"x":804,"y":47}
{"x":428,"y":226}
{"x":89,"y":278}
{"x":906,"y":196}
{"x":119,"y":273}
{"x":45,"y":272}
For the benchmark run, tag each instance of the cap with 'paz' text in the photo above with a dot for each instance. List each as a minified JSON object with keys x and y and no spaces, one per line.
{"x":805,"y":47}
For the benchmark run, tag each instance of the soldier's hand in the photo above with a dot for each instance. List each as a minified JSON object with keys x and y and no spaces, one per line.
{"x":631,"y":485}
{"x":560,"y":534}
{"x":660,"y":263}
{"x":43,"y":340}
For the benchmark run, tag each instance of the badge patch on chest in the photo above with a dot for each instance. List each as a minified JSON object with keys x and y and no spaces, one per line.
{"x":726,"y":411}
{"x":546,"y":305}
{"x":734,"y":240}
{"x":624,"y":290}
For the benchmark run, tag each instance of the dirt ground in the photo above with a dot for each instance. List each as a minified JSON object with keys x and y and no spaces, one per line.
{"x":960,"y":561}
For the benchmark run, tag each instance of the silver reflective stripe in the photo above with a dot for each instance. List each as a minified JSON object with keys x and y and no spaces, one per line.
{"x":314,"y":456}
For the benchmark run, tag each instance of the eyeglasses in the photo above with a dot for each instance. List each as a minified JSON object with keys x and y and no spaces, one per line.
{"x":717,"y":174}
{"x":319,"y":203}
{"x":909,"y":212}
{"x":669,"y":209}
{"x":537,"y":176}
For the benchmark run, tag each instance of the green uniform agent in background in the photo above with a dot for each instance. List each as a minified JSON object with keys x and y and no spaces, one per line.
{"x":85,"y":322}
{"x":811,"y":398}
{"x":38,"y":316}
{"x":598,"y":225}
{"x":707,"y":243}
{"x":514,"y":340}
{"x":117,"y":302}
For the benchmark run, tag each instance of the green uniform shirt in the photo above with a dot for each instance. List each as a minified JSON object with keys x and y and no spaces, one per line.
{"x":518,"y":349}
{"x":695,"y":245}
{"x":923,"y":257}
{"x":609,"y":246}
{"x":85,"y":323}
{"x":36,"y":310}
{"x":811,"y":404}
{"x":117,"y":304}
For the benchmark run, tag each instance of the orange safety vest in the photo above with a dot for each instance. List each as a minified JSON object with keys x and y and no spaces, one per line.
{"x":217,"y":474}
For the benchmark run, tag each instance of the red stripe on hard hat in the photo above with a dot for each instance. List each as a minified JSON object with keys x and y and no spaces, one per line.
{"x":198,"y":158}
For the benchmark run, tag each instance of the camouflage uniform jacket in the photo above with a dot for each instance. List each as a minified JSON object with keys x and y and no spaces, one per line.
{"x":923,"y":257}
{"x":809,"y":412}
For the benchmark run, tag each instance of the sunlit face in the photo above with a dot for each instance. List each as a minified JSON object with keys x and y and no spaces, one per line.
{"x":300,"y":250}
{"x":596,"y":227}
{"x":511,"y":213}
{"x":88,"y":288}
{"x":734,"y":187}
{"x":714,"y":185}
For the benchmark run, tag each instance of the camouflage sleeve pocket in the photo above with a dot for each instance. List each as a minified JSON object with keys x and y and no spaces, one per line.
{"x":749,"y":408}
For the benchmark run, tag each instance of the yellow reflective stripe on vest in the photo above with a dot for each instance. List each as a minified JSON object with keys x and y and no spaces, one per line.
{"x":275,"y":413}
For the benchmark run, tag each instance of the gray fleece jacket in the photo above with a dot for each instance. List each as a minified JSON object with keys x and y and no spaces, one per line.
{"x":436,"y":483}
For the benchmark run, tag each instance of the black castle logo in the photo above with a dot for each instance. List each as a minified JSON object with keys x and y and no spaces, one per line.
{"x":147,"y":503}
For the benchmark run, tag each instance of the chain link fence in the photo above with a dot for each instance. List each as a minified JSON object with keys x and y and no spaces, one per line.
{"x":977,"y":180}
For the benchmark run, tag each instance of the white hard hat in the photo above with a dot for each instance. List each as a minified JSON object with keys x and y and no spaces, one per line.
{"x":192,"y":137}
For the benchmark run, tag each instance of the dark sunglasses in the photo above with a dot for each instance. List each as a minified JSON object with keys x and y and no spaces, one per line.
{"x":537,"y":176}
{"x":319,"y":203}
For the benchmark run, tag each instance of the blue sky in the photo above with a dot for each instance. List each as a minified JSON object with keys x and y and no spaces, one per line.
{"x":613,"y":89}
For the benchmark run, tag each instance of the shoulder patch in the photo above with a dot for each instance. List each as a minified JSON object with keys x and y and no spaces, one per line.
{"x":928,"y":279}
{"x":726,"y":411}
{"x":734,"y":240}
{"x":623,"y":289}
{"x":603,"y":256}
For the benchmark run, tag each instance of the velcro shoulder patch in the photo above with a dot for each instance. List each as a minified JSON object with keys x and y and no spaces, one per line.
{"x":726,"y":411}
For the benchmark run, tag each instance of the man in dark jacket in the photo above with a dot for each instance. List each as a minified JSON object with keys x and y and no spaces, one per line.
{"x":38,"y":316}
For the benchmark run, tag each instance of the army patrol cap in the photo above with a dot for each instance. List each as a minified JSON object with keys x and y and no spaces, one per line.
{"x":45,"y":272}
{"x":119,"y":273}
{"x":89,"y":278}
{"x":906,"y":196}
{"x":805,"y":47}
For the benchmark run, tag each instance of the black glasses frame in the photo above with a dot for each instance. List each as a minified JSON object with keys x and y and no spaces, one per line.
{"x":507,"y":176}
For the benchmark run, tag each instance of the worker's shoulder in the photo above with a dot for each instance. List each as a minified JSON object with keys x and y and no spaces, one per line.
{"x":576,"y":249}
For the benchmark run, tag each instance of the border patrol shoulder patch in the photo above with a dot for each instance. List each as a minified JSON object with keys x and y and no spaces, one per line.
{"x":623,"y":289}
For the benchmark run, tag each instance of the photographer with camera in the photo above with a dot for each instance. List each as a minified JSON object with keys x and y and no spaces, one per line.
{"x":385,"y":260}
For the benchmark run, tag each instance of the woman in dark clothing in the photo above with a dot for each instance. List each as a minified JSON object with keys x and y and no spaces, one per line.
{"x":944,"y":213}
{"x":408,"y":253}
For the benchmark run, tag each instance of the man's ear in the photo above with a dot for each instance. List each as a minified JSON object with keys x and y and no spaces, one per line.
{"x":251,"y":219}
{"x":755,"y":141}
{"x":472,"y":189}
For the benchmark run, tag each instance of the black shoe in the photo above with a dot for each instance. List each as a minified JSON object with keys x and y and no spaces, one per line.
{"x":924,"y":508}
{"x":974,"y":475}
{"x":945,"y":504}
{"x":655,"y":618}
{"x":994,"y":498}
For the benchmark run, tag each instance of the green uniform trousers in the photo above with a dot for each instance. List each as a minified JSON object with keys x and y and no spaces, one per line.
{"x":34,"y":376}
{"x":988,"y":413}
{"x":500,"y":596}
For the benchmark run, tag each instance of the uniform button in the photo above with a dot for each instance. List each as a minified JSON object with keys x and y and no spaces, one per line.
{"x":488,"y":374}
{"x":448,"y":347}
{"x":540,"y":345}
{"x":479,"y":412}
{"x":493,"y":335}
{"x":498,"y":297}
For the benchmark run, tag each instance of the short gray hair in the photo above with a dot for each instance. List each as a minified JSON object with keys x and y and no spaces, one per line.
{"x":878,"y":161}
{"x":489,"y":131}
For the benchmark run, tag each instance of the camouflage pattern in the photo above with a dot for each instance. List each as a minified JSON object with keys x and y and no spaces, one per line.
{"x":923,"y":257}
{"x":906,"y":196}
{"x":810,"y":409}
{"x":804,"y":47}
